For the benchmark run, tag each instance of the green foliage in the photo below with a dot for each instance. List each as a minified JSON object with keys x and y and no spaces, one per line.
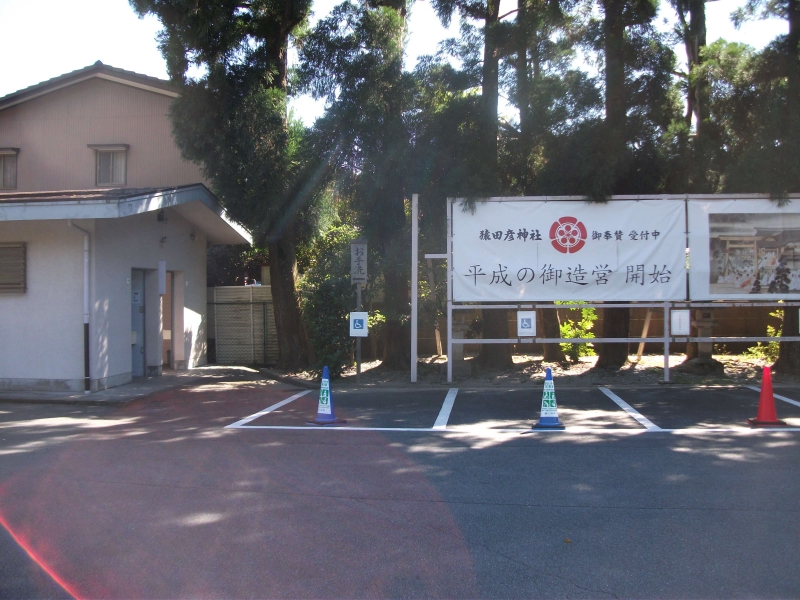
{"x":580,"y":328}
{"x":767,"y":352}
{"x":327,"y":297}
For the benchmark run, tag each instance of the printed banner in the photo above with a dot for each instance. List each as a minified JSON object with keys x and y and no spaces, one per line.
{"x":529,"y":250}
{"x":744,"y":249}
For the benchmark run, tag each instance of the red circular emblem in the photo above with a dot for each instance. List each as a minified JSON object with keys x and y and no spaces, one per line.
{"x":568,"y":235}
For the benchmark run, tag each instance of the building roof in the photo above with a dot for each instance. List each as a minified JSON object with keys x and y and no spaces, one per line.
{"x":97,"y":70}
{"x":195,"y":203}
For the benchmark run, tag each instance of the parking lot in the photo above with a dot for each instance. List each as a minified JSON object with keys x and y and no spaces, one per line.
{"x":424,"y":492}
{"x":592,"y":410}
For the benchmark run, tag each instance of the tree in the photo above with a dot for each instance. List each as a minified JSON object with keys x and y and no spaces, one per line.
{"x":354,"y":59}
{"x":638,"y":108}
{"x":495,"y":324}
{"x":232,"y":121}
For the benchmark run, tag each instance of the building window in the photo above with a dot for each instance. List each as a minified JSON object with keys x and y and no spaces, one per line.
{"x":8,"y":168}
{"x":12,"y":269}
{"x":110,"y":163}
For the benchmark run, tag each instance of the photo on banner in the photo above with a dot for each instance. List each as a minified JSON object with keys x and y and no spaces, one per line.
{"x":744,"y":249}
{"x":523,"y":249}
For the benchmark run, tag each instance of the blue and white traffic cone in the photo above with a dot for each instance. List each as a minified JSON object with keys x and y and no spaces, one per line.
{"x":548,"y":417}
{"x":325,"y":414}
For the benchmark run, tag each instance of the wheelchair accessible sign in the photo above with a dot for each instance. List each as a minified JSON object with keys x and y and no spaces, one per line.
{"x":358,"y":324}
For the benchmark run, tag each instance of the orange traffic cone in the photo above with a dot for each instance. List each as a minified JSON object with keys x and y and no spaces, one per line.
{"x":766,"y":403}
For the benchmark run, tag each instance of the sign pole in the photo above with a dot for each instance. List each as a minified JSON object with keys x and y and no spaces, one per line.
{"x":414,"y":283}
{"x":449,"y":265}
{"x":358,"y":340}
{"x":358,"y":276}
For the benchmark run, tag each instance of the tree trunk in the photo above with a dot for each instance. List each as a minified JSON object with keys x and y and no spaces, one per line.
{"x":396,"y":341}
{"x":495,"y":326}
{"x":292,"y":341}
{"x":495,"y":356}
{"x":490,"y":93}
{"x":552,"y":329}
{"x":788,"y":362}
{"x":523,"y":84}
{"x":616,"y":323}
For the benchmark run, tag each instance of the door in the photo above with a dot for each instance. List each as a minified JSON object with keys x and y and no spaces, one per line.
{"x":137,"y":323}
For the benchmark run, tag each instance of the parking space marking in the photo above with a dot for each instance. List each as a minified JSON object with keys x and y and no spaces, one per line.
{"x":778,"y":396}
{"x":478,"y":430}
{"x":447,"y":407}
{"x":246,"y":420}
{"x":648,"y":424}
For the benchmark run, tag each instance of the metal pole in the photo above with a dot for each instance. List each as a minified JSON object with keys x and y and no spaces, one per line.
{"x":448,"y":267}
{"x":666,"y":341}
{"x":414,"y":283}
{"x":358,"y":339}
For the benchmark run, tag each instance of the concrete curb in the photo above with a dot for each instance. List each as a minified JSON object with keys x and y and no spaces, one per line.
{"x":301,"y":383}
{"x":116,"y":396}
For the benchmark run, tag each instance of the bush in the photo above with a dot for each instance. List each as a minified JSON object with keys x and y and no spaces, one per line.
{"x":581,"y":328}
{"x":767,"y":352}
{"x":327,"y":297}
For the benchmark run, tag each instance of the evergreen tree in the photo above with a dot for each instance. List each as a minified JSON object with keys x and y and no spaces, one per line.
{"x":354,"y":59}
{"x":232,"y":121}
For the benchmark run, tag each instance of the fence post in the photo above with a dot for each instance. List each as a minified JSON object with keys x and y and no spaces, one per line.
{"x":666,"y":341}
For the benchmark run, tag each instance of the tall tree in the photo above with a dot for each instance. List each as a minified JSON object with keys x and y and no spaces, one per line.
{"x":782,"y":61}
{"x":232,"y":121}
{"x":495,"y":34}
{"x":354,"y":59}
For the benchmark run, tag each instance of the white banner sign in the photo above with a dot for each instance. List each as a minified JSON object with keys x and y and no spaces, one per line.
{"x":746,"y":249}
{"x":565,"y":250}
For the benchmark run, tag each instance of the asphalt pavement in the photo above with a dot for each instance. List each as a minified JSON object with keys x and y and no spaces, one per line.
{"x":160,"y":497}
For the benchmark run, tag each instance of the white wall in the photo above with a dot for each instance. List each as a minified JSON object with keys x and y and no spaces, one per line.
{"x":41,"y":331}
{"x":134,"y":243}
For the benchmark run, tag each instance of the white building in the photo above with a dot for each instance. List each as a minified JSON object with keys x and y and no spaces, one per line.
{"x":103,"y":235}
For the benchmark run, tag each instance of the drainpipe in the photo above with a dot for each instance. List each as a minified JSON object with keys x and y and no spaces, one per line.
{"x":86,"y":375}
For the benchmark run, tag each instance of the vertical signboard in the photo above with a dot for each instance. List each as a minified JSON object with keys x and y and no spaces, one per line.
{"x":358,"y":262}
{"x":744,"y":249}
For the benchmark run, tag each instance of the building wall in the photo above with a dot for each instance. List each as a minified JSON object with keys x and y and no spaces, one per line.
{"x":53,"y":131}
{"x":135,"y":243}
{"x":41,"y":331}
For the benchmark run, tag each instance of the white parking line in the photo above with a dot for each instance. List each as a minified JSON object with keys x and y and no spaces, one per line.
{"x":630,"y":410}
{"x":246,"y":420}
{"x":478,"y":430}
{"x":447,"y":406}
{"x":778,"y":396}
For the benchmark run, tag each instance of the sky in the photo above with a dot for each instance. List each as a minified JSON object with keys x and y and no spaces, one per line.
{"x":64,"y":36}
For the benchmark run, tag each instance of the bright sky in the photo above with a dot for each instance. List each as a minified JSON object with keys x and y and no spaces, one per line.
{"x":64,"y":36}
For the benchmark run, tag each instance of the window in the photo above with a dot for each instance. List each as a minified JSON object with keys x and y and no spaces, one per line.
{"x":110,"y":163}
{"x":12,"y":269}
{"x":8,"y":168}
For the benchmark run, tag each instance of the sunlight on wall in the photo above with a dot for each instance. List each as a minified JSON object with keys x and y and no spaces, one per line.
{"x":194,"y":342}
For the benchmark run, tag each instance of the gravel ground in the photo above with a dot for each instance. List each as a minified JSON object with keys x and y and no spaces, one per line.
{"x":433,"y":371}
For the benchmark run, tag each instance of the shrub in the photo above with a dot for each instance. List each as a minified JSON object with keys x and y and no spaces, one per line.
{"x":582,"y":328}
{"x":767,"y":352}
{"x":327,"y":297}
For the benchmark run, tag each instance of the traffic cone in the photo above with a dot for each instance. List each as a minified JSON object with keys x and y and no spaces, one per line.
{"x":325,"y":414}
{"x":548,"y":417}
{"x":767,"y":415}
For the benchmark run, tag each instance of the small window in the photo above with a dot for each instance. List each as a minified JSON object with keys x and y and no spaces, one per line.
{"x":8,"y":168}
{"x":110,"y":163}
{"x":12,"y":269}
